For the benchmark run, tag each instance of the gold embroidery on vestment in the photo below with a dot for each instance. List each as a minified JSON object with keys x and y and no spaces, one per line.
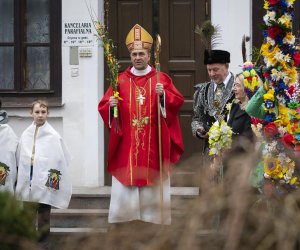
{"x":150,"y":130}
{"x":139,"y":121}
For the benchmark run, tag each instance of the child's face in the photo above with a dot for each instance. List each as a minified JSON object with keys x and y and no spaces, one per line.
{"x":39,"y":114}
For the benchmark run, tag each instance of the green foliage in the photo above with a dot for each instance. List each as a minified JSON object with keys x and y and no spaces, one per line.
{"x":17,"y":229}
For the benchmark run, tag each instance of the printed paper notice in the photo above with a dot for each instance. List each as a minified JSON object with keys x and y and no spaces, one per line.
{"x":78,"y":33}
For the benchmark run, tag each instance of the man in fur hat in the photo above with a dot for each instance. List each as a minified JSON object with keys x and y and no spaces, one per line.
{"x":210,"y":98}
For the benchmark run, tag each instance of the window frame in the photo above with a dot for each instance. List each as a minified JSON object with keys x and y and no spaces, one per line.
{"x":23,"y":98}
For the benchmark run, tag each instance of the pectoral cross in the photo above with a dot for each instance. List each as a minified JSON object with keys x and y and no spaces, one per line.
{"x":141,"y":99}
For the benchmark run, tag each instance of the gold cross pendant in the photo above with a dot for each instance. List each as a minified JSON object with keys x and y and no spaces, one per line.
{"x":141,"y":99}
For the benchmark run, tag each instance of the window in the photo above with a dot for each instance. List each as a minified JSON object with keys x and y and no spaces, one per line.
{"x":30,"y":51}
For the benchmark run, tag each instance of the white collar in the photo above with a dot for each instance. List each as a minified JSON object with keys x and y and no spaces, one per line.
{"x":142,"y":72}
{"x":226,"y":80}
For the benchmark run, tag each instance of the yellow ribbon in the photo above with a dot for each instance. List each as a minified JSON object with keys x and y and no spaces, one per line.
{"x":117,"y":95}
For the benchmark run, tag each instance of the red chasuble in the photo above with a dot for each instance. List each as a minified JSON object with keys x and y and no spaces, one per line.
{"x":133,"y":156}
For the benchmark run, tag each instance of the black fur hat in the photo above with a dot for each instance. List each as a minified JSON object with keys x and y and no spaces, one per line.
{"x":216,"y":56}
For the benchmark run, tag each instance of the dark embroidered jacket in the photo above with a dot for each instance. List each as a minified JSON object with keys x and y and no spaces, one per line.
{"x":203,"y":106}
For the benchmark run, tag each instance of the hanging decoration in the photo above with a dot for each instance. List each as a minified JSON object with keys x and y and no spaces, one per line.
{"x":281,"y":128}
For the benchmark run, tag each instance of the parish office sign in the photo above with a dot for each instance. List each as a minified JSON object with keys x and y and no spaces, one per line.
{"x":78,"y":33}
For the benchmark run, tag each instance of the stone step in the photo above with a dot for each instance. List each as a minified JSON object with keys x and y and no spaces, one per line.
{"x":76,"y":231}
{"x":105,"y":191}
{"x":99,"y":198}
{"x":87,"y":238}
{"x":89,"y":218}
{"x":74,"y":238}
{"x":89,"y":198}
{"x":88,"y":211}
{"x":72,"y":218}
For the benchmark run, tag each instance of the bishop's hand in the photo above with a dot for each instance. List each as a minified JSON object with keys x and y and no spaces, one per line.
{"x":113,"y":101}
{"x":159,"y":88}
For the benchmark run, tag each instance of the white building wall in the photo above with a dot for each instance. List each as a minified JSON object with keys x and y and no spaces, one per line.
{"x":234,"y":19}
{"x":83,"y":129}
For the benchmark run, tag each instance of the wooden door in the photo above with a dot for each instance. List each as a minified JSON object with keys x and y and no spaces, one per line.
{"x":181,"y":57}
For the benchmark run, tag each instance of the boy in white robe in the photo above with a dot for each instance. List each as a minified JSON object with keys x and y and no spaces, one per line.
{"x":8,"y":147}
{"x":43,"y":173}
